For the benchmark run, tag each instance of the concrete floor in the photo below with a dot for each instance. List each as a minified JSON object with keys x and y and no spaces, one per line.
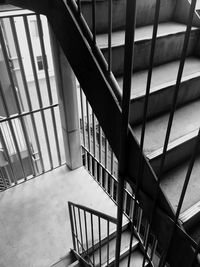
{"x":34,"y":222}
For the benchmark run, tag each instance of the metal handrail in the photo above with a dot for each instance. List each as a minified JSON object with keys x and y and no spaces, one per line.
{"x":95,"y":212}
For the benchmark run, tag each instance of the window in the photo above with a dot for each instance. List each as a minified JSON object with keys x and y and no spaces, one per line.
{"x":40,"y":63}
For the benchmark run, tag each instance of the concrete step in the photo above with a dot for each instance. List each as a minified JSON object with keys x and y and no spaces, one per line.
{"x":172,"y":184}
{"x":136,"y":260}
{"x":145,"y":13}
{"x":169,"y":44}
{"x":125,"y":242}
{"x":184,"y":130}
{"x":162,"y":88}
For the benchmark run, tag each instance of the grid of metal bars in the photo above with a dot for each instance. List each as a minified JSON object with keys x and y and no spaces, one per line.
{"x":90,"y":157}
{"x":30,"y":129}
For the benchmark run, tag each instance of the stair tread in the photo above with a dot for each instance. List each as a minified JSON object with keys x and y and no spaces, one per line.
{"x":142,"y":33}
{"x":172,"y":184}
{"x":159,"y":78}
{"x":136,"y":259}
{"x":125,"y":241}
{"x":185,"y":124}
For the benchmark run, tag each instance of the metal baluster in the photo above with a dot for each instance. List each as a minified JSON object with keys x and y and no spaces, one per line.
{"x":108,"y":242}
{"x":100,"y":155}
{"x":106,"y":164}
{"x":109,"y":36}
{"x":79,"y":7}
{"x":154,"y":246}
{"x":83,"y":117}
{"x":86,"y":231}
{"x":15,"y":37}
{"x":183,"y":192}
{"x":94,"y":143}
{"x":80,"y":228}
{"x":40,"y":31}
{"x":99,"y":226}
{"x":38,"y":89}
{"x":89,"y":134}
{"x":197,"y":250}
{"x":128,"y":67}
{"x":72,"y":224}
{"x":92,"y":234}
{"x":76,"y":231}
{"x":94,"y":20}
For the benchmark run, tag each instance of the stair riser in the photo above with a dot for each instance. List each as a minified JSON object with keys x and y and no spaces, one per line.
{"x":162,"y":100}
{"x":168,"y":48}
{"x":174,"y":156}
{"x":145,"y":13}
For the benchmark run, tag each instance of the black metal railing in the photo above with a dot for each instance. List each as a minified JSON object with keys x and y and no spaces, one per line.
{"x":30,"y":128}
{"x":93,"y":161}
{"x":91,"y":230}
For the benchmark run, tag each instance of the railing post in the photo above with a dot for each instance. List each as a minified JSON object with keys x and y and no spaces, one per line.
{"x":67,"y":98}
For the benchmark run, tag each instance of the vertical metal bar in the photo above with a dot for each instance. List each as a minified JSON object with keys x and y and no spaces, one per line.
{"x":94,"y":143}
{"x":100,"y":155}
{"x":40,"y":31}
{"x":37,"y":88}
{"x":112,"y":162}
{"x":154,"y":246}
{"x":125,"y":200}
{"x":79,"y":7}
{"x":83,"y":117}
{"x":72,"y":224}
{"x":7,"y":153}
{"x":99,"y":226}
{"x":76,"y":231}
{"x":94,"y":20}
{"x":197,"y":250}
{"x":112,"y":187}
{"x":26,"y":89}
{"x":130,"y":245}
{"x":106,"y":165}
{"x":109,"y":36}
{"x":139,"y":217}
{"x":108,"y":242}
{"x":88,"y":126}
{"x":92,"y":234}
{"x":86,"y":231}
{"x":94,"y":134}
{"x":89,"y":135}
{"x":80,"y":228}
{"x":182,"y":196}
{"x":173,"y":108}
{"x":128,"y":67}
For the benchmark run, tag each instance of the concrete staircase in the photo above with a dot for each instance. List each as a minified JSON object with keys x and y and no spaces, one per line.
{"x":186,"y":122}
{"x":167,"y":58}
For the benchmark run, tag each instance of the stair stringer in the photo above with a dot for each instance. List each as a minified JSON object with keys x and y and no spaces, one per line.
{"x":107,"y":109}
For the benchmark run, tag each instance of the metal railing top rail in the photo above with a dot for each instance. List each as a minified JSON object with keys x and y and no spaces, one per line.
{"x":15,"y":13}
{"x":95,"y":212}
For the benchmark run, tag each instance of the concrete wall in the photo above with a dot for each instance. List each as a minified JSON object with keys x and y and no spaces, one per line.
{"x":145,"y":13}
{"x":182,"y":12}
